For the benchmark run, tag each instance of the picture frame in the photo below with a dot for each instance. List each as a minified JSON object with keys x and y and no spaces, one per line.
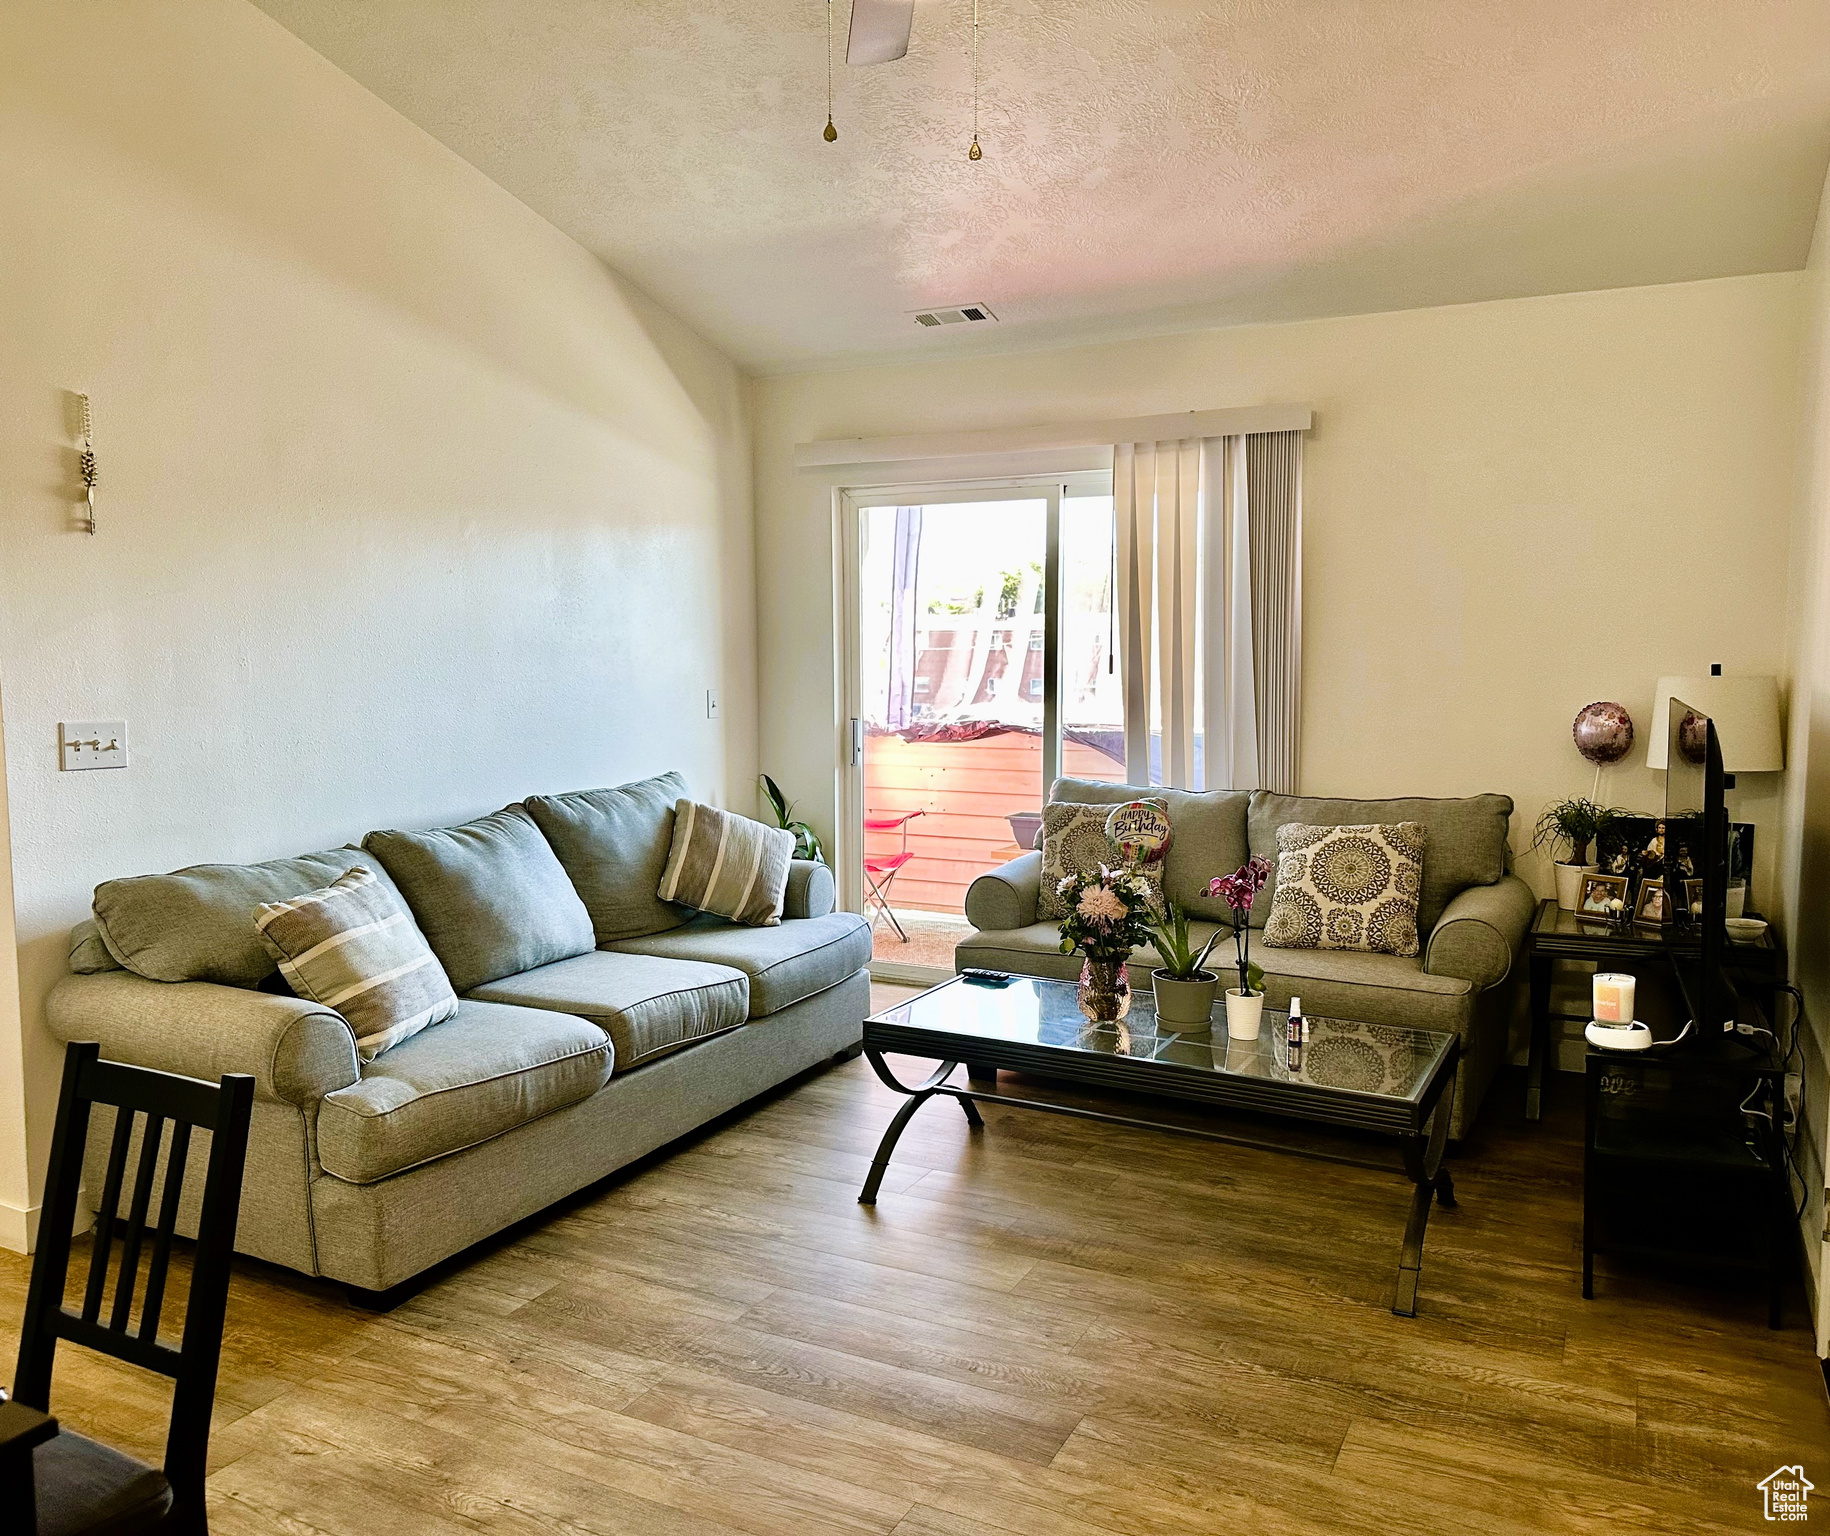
{"x":1652,"y":905}
{"x":1693,"y":896}
{"x":1597,"y":891}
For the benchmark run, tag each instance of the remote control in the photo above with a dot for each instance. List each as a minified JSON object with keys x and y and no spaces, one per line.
{"x":986,"y":978}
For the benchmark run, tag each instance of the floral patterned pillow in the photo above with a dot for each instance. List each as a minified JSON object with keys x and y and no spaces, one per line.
{"x":1074,"y":840}
{"x":1347,"y":888}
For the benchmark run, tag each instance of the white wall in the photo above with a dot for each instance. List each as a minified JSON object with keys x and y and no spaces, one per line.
{"x":408,"y":508}
{"x":1805,"y":856}
{"x":1501,"y":502}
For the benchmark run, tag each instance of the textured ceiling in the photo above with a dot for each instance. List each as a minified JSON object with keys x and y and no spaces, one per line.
{"x":1149,"y":164}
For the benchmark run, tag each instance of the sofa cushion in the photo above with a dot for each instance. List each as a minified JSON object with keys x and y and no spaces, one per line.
{"x":1207,"y":837}
{"x":647,"y":1005}
{"x":1465,"y":840}
{"x":485,"y":1070}
{"x":613,"y":843}
{"x":491,"y":897}
{"x":728,"y":865}
{"x":354,"y":947}
{"x":88,"y":954}
{"x":784,"y":964}
{"x":1351,"y":887}
{"x":197,"y":924}
{"x":1374,"y":989}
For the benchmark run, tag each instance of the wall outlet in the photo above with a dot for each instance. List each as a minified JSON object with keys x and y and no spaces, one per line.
{"x":85,"y":744}
{"x":711,"y":703}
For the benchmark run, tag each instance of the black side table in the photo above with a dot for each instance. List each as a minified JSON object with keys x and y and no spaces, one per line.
{"x":1558,"y":935}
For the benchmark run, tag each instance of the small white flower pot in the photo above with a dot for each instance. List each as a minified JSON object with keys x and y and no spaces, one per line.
{"x":1184,"y":1004}
{"x":1244,"y":1013}
{"x":1569,"y":883}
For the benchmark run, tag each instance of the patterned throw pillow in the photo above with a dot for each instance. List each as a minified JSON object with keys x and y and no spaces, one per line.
{"x":1074,"y":839}
{"x":727,"y":864}
{"x":352,"y":947}
{"x":1347,"y":888}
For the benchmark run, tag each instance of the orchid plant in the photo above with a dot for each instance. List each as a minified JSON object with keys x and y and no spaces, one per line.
{"x":1239,"y":890}
{"x":1109,"y":913}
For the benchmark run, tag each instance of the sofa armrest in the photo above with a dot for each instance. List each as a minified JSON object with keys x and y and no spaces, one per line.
{"x":1480,"y":932}
{"x":1006,"y":897}
{"x":295,"y":1050}
{"x":810,"y":890}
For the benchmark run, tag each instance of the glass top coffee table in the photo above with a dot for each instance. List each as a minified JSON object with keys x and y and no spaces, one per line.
{"x":1371,"y":1077}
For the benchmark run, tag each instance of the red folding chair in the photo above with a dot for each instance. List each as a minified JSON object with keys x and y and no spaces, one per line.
{"x":881,"y":869}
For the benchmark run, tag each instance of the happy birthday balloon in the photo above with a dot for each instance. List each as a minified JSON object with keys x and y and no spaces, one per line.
{"x":1141,"y":831}
{"x":1603,"y":733}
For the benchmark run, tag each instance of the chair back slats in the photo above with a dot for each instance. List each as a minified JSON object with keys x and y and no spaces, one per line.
{"x":129,"y":1277}
{"x":162,"y":1241}
{"x":105,"y":1218}
{"x":150,"y":1099}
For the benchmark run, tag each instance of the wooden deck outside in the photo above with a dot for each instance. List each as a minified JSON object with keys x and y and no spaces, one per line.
{"x":966,"y":789}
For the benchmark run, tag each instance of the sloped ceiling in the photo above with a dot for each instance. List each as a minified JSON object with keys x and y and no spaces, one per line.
{"x":1149,"y":164}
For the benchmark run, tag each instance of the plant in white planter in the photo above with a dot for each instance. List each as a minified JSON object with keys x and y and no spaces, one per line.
{"x":1245,"y":1003}
{"x":1184,"y":988}
{"x":1571,"y":824}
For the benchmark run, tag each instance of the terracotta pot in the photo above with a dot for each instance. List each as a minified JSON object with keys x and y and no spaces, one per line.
{"x":1244,"y":1013}
{"x":1184,"y":1003}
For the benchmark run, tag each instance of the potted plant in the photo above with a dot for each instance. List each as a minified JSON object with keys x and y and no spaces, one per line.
{"x":806,"y":840}
{"x":1184,"y":989}
{"x":1573,"y":824}
{"x":1244,"y":1003}
{"x":1108,"y":917}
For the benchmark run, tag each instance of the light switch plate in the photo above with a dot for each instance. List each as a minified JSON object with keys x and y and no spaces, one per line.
{"x":85,"y":744}
{"x":711,"y":703}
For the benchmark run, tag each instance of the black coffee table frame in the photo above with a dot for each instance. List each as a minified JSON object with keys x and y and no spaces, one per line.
{"x":1421,"y":1127}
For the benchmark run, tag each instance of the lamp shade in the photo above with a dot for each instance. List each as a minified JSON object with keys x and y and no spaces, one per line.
{"x":1745,"y":711}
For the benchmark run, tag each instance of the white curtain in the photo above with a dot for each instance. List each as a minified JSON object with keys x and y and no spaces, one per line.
{"x":1209,"y":535}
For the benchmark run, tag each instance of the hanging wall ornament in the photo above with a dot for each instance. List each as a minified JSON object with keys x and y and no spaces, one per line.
{"x":1603,"y":733}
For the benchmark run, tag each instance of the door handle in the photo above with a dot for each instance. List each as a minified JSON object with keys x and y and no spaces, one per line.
{"x":857,"y":742}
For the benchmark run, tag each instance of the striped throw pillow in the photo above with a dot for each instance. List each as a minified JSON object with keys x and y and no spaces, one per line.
{"x":727,"y":864}
{"x":353,"y":947}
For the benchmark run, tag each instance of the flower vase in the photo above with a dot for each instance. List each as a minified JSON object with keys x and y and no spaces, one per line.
{"x":1105,"y":991}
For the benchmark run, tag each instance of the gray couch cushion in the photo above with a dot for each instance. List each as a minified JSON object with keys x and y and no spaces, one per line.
{"x":197,"y":924}
{"x":785,"y":963}
{"x":613,"y":843}
{"x":88,"y":954}
{"x":1375,"y":989}
{"x":1208,"y":836}
{"x":648,"y":1006}
{"x":490,"y":896}
{"x":1465,"y":840}
{"x":484,"y":1071}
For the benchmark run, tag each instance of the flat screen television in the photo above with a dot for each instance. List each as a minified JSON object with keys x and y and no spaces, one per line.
{"x":1696,"y":861}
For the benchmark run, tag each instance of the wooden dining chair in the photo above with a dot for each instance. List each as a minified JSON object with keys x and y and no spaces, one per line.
{"x":53,"y":1481}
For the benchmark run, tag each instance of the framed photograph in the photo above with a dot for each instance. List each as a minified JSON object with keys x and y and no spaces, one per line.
{"x":1599,"y":892}
{"x":1693,"y":897}
{"x":1652,"y":904}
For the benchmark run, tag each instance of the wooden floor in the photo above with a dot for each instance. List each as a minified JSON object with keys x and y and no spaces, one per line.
{"x":1049,"y":1328}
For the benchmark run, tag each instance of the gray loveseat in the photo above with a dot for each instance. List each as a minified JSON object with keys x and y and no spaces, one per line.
{"x":596,"y":1023}
{"x":1472,"y":916}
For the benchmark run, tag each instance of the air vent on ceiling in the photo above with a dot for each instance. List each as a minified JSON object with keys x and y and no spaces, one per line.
{"x":963,"y":314}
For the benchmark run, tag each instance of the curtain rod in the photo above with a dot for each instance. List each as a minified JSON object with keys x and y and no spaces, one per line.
{"x":987,"y":440}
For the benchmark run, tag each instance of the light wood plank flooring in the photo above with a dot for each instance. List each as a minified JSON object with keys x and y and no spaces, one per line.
{"x":1049,"y":1328}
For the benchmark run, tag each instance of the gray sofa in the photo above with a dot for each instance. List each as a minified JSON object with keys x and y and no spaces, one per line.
{"x":1472,"y":916}
{"x":596,"y":1024}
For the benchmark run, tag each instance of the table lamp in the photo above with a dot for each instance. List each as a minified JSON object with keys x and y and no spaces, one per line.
{"x":1745,"y":711}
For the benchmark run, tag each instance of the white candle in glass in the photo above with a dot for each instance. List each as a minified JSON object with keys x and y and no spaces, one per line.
{"x":1613,"y":997}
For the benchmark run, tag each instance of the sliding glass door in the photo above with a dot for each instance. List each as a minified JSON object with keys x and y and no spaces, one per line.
{"x":979,"y":666}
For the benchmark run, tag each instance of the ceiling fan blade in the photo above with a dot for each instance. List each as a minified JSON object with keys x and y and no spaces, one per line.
{"x":879,"y":31}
